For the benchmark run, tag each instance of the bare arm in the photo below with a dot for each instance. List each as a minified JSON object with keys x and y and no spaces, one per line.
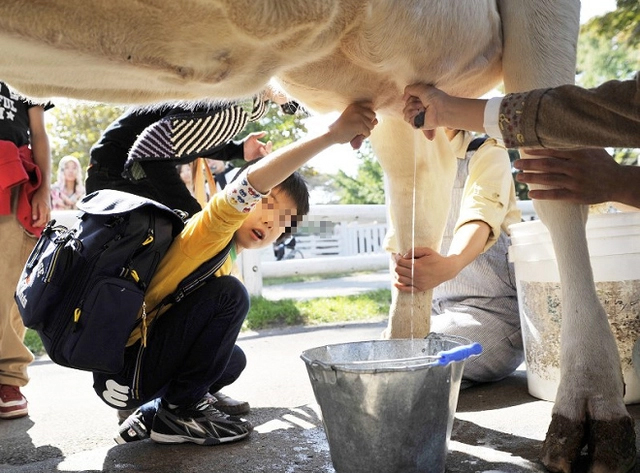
{"x":442,"y":110}
{"x":566,"y":117}
{"x":432,"y":269}
{"x":356,"y":120}
{"x":41,"y":201}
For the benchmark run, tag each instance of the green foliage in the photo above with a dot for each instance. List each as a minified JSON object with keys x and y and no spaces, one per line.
{"x":623,"y":22}
{"x":265,"y":313}
{"x":73,"y":127}
{"x":604,"y":55}
{"x":281,"y":129}
{"x":368,"y":185}
{"x":33,"y":342}
{"x":608,"y":50}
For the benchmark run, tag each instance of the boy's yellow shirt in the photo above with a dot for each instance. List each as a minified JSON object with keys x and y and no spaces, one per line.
{"x":203,"y":237}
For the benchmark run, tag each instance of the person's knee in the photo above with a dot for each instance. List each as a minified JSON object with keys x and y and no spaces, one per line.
{"x":495,"y":363}
{"x":233,"y":292}
{"x":236,"y":365}
{"x":238,"y":361}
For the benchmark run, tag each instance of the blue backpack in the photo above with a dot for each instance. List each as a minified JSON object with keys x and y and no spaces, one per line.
{"x":83,"y":287}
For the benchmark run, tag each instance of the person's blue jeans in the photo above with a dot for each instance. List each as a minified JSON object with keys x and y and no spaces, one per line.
{"x":190,"y":350}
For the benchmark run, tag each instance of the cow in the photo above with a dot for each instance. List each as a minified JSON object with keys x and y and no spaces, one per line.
{"x":327,"y":54}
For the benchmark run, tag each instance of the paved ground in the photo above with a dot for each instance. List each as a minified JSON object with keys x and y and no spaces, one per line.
{"x":344,"y":286}
{"x":497,"y":427}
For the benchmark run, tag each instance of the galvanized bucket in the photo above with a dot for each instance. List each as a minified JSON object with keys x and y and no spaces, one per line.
{"x":388,"y":405}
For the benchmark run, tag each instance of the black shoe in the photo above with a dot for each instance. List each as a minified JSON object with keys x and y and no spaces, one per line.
{"x":200,"y":423}
{"x":230,"y":406}
{"x":132,"y":429}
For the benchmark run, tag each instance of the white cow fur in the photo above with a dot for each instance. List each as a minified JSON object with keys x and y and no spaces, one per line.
{"x":328,"y":53}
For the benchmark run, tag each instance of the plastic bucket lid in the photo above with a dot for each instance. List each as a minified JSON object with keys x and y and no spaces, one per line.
{"x":607,"y":234}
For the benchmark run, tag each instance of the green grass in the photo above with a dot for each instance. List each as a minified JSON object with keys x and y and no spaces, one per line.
{"x":367,"y":306}
{"x":373,"y":305}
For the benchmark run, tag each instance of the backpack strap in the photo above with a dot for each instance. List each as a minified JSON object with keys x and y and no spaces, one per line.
{"x":197,"y":278}
{"x":476,"y":143}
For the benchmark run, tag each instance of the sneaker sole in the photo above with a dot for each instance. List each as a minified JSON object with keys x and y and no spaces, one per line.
{"x":174,"y":439}
{"x":14,"y":414}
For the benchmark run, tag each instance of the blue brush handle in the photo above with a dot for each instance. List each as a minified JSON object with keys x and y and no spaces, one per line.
{"x":458,"y":353}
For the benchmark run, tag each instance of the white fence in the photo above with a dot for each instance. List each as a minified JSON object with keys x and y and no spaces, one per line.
{"x":354,"y":244}
{"x":359,"y":234}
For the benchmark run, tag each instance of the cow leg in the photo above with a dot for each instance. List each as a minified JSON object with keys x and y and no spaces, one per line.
{"x":539,"y":51}
{"x":589,"y":406}
{"x":402,"y":151}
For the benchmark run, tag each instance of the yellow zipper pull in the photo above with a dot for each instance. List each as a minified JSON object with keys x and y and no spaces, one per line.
{"x":148,"y":240}
{"x":76,"y":315}
{"x":134,"y":275}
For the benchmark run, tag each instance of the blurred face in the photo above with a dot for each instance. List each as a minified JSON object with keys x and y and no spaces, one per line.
{"x":267,"y":221}
{"x":70,"y":171}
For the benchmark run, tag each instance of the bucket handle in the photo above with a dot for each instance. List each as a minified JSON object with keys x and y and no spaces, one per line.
{"x":460,"y":353}
{"x":442,"y":358}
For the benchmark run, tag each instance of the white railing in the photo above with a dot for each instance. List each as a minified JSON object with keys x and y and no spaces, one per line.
{"x":355,"y":245}
{"x":362,"y":229}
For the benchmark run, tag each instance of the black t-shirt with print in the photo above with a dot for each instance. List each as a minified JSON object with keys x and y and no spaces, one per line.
{"x":14,"y":116}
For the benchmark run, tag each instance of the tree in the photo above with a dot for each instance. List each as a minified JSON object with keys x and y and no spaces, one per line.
{"x":608,"y":50}
{"x":607,"y":45}
{"x":623,"y":22}
{"x":368,"y":185}
{"x":74,"y":127}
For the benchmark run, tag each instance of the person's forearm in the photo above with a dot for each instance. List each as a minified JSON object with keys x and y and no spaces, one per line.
{"x":277,"y":166}
{"x":39,"y":143}
{"x":628,"y":192}
{"x":569,"y":117}
{"x":468,"y":242}
{"x":464,"y":114}
{"x":42,"y":157}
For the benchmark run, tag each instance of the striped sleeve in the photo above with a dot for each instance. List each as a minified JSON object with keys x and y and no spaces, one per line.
{"x":186,"y":137}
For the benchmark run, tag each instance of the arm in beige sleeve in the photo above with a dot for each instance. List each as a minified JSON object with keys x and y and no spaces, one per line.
{"x":569,"y":116}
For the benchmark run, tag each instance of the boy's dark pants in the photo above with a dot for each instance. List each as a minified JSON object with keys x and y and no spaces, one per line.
{"x":190,"y":350}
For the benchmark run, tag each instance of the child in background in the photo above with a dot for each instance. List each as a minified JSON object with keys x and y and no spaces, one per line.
{"x":69,"y":187}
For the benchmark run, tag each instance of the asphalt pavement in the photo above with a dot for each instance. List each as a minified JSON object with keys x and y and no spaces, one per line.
{"x":497,"y":427}
{"x":343,"y":286}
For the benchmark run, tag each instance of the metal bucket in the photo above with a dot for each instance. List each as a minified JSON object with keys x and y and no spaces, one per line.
{"x":388,"y":405}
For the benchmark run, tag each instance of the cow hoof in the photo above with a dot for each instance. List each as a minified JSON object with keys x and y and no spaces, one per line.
{"x":612,"y":445}
{"x":561,"y":448}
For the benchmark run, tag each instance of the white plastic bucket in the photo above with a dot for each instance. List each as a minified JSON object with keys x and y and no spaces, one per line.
{"x":614,"y":247}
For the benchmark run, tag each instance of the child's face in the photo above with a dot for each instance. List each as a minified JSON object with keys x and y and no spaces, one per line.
{"x":70,"y":171}
{"x":267,"y":221}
